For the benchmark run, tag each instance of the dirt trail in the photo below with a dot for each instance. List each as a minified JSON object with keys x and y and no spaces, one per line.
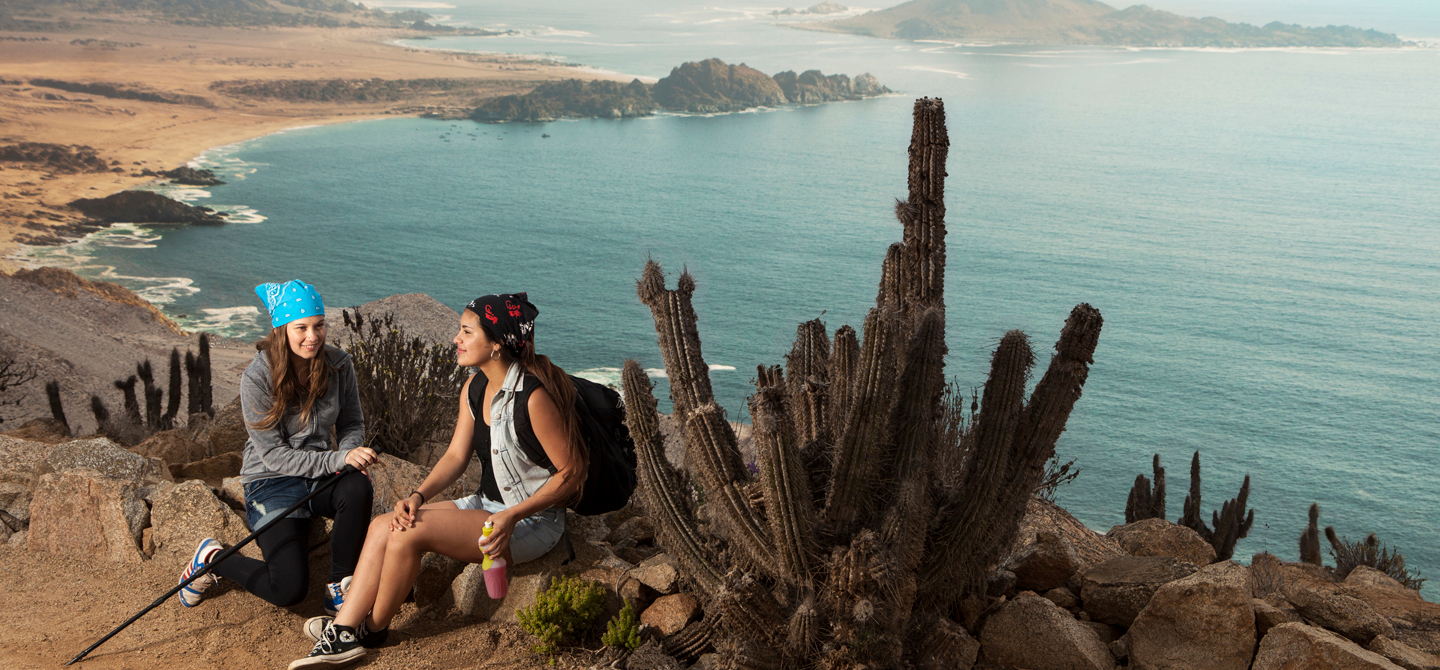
{"x":57,"y":605}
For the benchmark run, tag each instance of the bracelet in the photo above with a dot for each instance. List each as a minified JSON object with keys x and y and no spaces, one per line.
{"x":417,"y":492}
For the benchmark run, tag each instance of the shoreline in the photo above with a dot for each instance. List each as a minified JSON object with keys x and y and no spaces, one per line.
{"x":185,"y":62}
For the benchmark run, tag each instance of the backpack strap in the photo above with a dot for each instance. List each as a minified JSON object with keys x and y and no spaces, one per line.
{"x":529,"y":443}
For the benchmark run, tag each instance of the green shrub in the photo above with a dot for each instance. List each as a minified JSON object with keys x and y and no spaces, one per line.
{"x":623,"y":631}
{"x":562,"y":612}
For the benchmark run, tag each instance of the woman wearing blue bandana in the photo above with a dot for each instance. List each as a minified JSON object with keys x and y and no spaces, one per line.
{"x":292,"y":394}
{"x":516,"y":394}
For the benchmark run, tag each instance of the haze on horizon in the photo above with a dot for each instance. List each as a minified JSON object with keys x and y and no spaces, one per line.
{"x":1406,"y":18}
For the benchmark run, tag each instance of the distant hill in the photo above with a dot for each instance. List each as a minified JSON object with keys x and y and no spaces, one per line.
{"x":1087,"y":22}
{"x":39,"y":15}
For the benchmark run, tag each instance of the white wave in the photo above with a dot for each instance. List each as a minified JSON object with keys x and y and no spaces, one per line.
{"x":226,"y":321}
{"x":715,"y":367}
{"x":657,"y":373}
{"x":922,"y":68}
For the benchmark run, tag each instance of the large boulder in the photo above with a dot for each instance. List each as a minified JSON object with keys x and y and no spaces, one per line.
{"x":1340,"y":612}
{"x":107,"y":458}
{"x":212,"y":471}
{"x":394,"y":479}
{"x":1200,"y":622}
{"x":1269,"y":615}
{"x":1114,"y":592}
{"x":185,"y":514}
{"x":1034,"y":633}
{"x":1045,"y":564}
{"x":1158,"y":537}
{"x":437,"y":573}
{"x":1090,"y":548}
{"x":41,"y":429}
{"x":527,"y":580}
{"x":83,"y":512}
{"x":1296,"y":646}
{"x":173,"y":446}
{"x":1404,"y":655}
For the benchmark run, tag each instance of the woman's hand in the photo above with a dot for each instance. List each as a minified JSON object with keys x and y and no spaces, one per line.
{"x":361,"y":458}
{"x":499,"y":540}
{"x":405,"y":512}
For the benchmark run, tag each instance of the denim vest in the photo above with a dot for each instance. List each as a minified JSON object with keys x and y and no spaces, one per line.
{"x":517,"y":477}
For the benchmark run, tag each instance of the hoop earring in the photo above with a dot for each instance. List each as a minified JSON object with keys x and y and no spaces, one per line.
{"x":494,"y":354}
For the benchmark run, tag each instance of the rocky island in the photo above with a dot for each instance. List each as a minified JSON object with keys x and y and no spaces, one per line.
{"x":707,"y":87}
{"x":1087,"y":22}
{"x":146,"y":207}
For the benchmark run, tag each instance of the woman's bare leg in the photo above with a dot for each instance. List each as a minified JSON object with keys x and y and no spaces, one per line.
{"x":449,"y":532}
{"x":365,"y":585}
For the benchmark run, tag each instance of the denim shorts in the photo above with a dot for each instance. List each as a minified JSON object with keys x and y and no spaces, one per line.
{"x":533,"y":537}
{"x":265,"y":499}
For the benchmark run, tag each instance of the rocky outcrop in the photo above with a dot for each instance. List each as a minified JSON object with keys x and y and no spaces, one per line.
{"x":1404,"y":655}
{"x":1340,"y":612}
{"x":1116,"y":591}
{"x":1201,"y":622}
{"x":191,"y":177}
{"x":107,"y":458}
{"x":1032,"y":632}
{"x":82,"y":512}
{"x":571,"y":98}
{"x":811,"y":87}
{"x":1295,"y":645}
{"x":1158,"y":537}
{"x":1045,"y":564}
{"x":1090,"y":548}
{"x":59,"y":158}
{"x":224,"y":432}
{"x":419,"y":314}
{"x":393,"y":479}
{"x":711,"y":86}
{"x":145,"y":207}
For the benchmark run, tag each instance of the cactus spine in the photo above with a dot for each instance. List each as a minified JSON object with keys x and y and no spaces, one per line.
{"x":877,"y":513}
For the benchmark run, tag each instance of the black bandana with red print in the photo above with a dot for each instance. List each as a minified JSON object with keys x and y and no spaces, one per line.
{"x":507,"y":318}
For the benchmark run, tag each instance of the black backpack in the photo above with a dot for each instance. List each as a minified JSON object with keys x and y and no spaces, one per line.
{"x":611,"y":479}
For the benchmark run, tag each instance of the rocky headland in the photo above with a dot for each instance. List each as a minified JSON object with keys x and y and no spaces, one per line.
{"x":146,"y":207}
{"x":705,"y":87}
{"x":1087,"y":22}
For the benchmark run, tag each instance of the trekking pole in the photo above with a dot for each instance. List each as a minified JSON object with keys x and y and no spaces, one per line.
{"x":216,"y":561}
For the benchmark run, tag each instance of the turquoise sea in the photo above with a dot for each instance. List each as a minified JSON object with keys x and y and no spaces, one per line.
{"x":1260,"y":229}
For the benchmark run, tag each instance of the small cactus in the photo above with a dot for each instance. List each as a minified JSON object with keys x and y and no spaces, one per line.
{"x":1310,"y":538}
{"x":1232,"y":523}
{"x":1144,"y":502}
{"x":623,"y":630}
{"x":57,"y":408}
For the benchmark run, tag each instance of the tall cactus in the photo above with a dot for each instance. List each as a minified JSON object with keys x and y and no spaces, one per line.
{"x":57,"y":408}
{"x":865,"y":566}
{"x":172,"y":407}
{"x":1232,"y":523}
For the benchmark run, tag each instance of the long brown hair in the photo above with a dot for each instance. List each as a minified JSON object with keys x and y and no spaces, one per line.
{"x":562,"y":391}
{"x":285,"y":390}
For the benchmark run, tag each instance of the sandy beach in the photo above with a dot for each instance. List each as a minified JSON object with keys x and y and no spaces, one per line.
{"x":181,"y":63}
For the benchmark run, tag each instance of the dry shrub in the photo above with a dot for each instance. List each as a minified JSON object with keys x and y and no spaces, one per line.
{"x":408,"y":389}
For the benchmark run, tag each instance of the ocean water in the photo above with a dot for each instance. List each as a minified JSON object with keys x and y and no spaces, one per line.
{"x":1260,"y":229}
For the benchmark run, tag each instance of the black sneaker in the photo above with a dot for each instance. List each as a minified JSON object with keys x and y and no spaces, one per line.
{"x":337,"y":647}
{"x":315,"y":630}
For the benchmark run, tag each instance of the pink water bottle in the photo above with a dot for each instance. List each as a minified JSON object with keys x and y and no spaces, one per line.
{"x":494,"y":568}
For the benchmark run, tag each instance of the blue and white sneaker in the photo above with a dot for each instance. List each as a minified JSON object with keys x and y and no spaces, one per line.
{"x":191,"y":595}
{"x":335,"y":595}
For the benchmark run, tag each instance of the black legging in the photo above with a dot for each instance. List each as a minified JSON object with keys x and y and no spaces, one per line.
{"x":283,"y":578}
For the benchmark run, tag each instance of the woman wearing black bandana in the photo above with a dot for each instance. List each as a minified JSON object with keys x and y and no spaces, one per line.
{"x":516,"y":396}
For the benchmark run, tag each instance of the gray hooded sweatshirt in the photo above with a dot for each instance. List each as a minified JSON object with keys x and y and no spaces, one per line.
{"x":295,"y":449}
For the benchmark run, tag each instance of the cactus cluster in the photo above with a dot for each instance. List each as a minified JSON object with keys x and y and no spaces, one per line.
{"x":1232,"y":522}
{"x":1145,"y":502}
{"x":1350,"y":555}
{"x":869,"y":535}
{"x":136,"y":424}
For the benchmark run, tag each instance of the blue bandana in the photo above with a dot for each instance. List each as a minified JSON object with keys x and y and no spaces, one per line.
{"x":290,"y":301}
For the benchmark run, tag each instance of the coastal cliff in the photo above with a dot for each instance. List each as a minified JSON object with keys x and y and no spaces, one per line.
{"x":1087,"y":22}
{"x":705,"y":87}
